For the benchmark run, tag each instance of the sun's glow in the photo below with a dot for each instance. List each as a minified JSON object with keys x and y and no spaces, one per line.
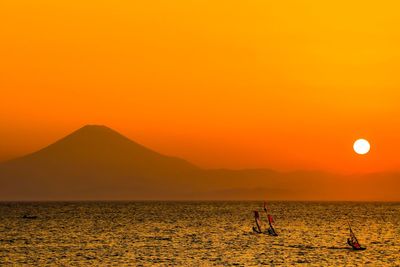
{"x":361,"y":146}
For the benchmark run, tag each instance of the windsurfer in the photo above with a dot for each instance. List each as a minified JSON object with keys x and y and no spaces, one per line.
{"x":353,"y":241}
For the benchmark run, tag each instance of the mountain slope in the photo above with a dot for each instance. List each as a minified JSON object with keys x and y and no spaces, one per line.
{"x":92,"y":161}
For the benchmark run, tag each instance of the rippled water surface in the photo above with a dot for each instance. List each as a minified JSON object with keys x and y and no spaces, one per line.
{"x":196,"y":234}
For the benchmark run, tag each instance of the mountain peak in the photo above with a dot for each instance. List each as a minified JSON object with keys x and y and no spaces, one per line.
{"x":94,"y":128}
{"x":95,"y":136}
{"x":102,"y":146}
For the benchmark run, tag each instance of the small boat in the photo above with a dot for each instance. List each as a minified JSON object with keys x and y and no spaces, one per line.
{"x":31,"y":217}
{"x":352,"y":241}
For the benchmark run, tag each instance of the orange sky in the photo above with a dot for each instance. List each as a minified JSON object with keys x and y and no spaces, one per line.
{"x":279,"y":84}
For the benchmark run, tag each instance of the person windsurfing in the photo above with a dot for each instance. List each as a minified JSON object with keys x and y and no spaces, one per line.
{"x":352,"y":241}
{"x":271,"y":230}
{"x":258,"y":223}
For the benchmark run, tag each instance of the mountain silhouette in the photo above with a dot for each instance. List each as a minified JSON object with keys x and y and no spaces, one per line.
{"x":97,"y":163}
{"x":92,"y":161}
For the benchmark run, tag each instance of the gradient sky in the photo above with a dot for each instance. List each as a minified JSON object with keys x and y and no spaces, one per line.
{"x":239,"y":84}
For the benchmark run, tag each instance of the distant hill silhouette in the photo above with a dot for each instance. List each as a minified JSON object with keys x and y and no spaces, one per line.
{"x":97,"y":163}
{"x":93,"y":162}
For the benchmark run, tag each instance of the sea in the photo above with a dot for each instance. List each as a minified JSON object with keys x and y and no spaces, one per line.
{"x":154,"y":233}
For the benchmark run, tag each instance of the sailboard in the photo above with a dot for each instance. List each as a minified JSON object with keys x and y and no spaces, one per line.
{"x":26,"y":216}
{"x":353,"y":241}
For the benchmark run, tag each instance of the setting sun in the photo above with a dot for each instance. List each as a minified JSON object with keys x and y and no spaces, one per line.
{"x":361,"y":146}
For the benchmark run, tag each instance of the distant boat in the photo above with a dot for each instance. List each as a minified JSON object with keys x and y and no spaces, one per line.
{"x":257,"y":229}
{"x":31,"y":217}
{"x":352,"y":241}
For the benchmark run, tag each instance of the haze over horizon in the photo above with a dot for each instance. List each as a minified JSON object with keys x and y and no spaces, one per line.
{"x":92,"y":125}
{"x":168,"y":149}
{"x":98,"y":163}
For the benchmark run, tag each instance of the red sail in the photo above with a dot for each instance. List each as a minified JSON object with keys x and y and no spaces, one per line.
{"x":270,"y":219}
{"x":257,"y":219}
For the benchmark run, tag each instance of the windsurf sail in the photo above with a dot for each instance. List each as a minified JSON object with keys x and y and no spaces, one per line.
{"x":258,"y":222}
{"x":271,"y":221}
{"x":269,"y":216}
{"x":353,"y":241}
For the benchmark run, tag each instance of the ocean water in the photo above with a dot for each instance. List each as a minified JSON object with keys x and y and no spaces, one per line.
{"x":196,"y":234}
